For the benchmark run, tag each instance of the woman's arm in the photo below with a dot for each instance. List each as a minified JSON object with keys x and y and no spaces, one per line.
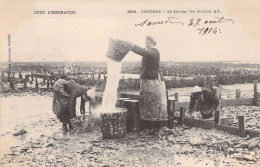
{"x":152,"y":54}
{"x":72,"y":105}
{"x":82,"y":106}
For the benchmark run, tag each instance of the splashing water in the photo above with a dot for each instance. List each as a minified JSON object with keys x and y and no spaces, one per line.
{"x":112,"y":82}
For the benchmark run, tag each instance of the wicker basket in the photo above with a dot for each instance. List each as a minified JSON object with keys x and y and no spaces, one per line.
{"x":79,"y":126}
{"x":117,"y":50}
{"x":113,"y":125}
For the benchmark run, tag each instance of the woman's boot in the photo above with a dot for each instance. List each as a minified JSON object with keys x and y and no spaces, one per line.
{"x":64,"y":127}
{"x":70,"y":126}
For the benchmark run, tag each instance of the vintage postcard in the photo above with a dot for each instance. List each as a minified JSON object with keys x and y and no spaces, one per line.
{"x":130,"y":83}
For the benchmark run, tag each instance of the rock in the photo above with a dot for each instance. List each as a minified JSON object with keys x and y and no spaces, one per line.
{"x":82,"y":152}
{"x":144,"y":132}
{"x":153,"y":132}
{"x":49,"y":145}
{"x":186,"y":127}
{"x":24,"y":149}
{"x":20,"y":132}
{"x":231,"y":150}
{"x":161,"y":133}
{"x":82,"y":142}
{"x":249,"y":158}
{"x":131,"y":137}
{"x":95,"y":144}
{"x":253,"y":143}
{"x":196,"y":141}
{"x":164,"y":131}
{"x":171,"y":139}
{"x":243,"y":145}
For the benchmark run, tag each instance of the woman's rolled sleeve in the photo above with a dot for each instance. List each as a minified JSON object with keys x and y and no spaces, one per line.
{"x":145,"y":53}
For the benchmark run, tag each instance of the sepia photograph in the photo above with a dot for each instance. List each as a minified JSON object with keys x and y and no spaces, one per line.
{"x":129,"y":83}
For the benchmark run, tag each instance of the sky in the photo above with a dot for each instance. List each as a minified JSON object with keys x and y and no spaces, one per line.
{"x":85,"y":36}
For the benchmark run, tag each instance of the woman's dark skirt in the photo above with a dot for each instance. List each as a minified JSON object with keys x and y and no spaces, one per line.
{"x":60,"y":107}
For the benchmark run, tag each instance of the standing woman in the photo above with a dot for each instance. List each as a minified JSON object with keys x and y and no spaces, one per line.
{"x":153,"y":97}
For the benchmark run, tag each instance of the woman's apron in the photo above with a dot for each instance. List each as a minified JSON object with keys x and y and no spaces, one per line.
{"x":153,"y":100}
{"x":60,"y":107}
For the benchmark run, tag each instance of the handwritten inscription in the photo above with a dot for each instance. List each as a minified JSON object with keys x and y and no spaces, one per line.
{"x":169,"y":20}
{"x":203,"y":26}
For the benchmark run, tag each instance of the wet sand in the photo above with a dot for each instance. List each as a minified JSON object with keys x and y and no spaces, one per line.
{"x":44,"y":144}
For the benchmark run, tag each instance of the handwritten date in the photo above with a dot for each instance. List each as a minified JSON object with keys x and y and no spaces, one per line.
{"x":203,"y":26}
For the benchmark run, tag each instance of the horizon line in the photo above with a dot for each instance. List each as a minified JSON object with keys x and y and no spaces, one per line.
{"x":96,"y":61}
